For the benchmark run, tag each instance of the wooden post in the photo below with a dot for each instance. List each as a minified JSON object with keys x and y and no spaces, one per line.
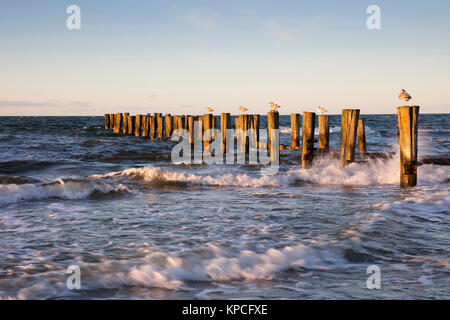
{"x":349,"y":125}
{"x":361,"y":133}
{"x":408,"y":119}
{"x":324,"y":133}
{"x":244,"y":123}
{"x":207,"y":122}
{"x":237,"y":126}
{"x":106,"y":121}
{"x":117,"y":123}
{"x":168,"y":125}
{"x":131,"y":121}
{"x":111,"y":121}
{"x":152,"y":127}
{"x":308,"y":126}
{"x":295,"y":127}
{"x":225,"y":124}
{"x":190,"y":127}
{"x":145,"y":127}
{"x":125,"y":123}
{"x":273,"y":125}
{"x":160,"y":125}
{"x":137,"y":125}
{"x":254,"y":124}
{"x":213,"y":127}
{"x":175,"y":123}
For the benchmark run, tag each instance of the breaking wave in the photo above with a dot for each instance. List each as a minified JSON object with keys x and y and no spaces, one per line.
{"x":62,"y":189}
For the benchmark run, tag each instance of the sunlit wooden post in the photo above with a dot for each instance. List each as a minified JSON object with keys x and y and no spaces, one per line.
{"x":106,"y":121}
{"x":169,"y":125}
{"x":308,"y":126}
{"x":361,"y":133}
{"x":349,"y":125}
{"x":152,"y":126}
{"x":111,"y":121}
{"x":125,"y":123}
{"x":225,"y":124}
{"x":207,"y":122}
{"x":295,"y":127}
{"x":191,"y":129}
{"x":145,"y":127}
{"x":254,"y":124}
{"x":408,"y":119}
{"x":160,"y":125}
{"x":324,"y":133}
{"x":273,"y":126}
{"x":131,"y":121}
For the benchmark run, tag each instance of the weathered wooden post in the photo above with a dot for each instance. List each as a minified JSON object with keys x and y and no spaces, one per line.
{"x":175,"y":123}
{"x":152,"y":127}
{"x":168,"y":125}
{"x":125,"y":123}
{"x":131,"y":121}
{"x":324,"y":133}
{"x":254,"y":123}
{"x":145,"y":127}
{"x":190,"y":126}
{"x":273,"y":126}
{"x":361,"y":133}
{"x":225,"y":124}
{"x":213,"y":127}
{"x":117,"y":123}
{"x":106,"y":121}
{"x":243,"y":138}
{"x":137,"y":125}
{"x":111,"y":121}
{"x":207,"y":122}
{"x":349,"y":125}
{"x":408,"y":120}
{"x":308,"y":126}
{"x":295,"y":127}
{"x":160,"y":125}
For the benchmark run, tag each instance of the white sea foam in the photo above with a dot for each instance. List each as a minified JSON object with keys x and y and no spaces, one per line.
{"x":12,"y":193}
{"x":328,"y":172}
{"x":173,"y":270}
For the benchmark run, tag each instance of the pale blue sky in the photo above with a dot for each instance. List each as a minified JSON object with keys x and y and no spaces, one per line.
{"x":180,"y":56}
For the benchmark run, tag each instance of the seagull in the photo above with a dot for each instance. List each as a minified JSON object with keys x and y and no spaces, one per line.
{"x":321,"y":110}
{"x":273,"y":106}
{"x":404,"y":96}
{"x":242,"y":109}
{"x":209,"y":109}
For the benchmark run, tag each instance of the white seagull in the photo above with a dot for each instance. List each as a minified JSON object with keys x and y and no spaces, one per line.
{"x":404,"y":96}
{"x":242,"y":109}
{"x":321,"y":110}
{"x":209,"y":109}
{"x":273,"y":106}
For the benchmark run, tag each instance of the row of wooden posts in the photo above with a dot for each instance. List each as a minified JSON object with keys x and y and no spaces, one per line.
{"x":156,"y":126}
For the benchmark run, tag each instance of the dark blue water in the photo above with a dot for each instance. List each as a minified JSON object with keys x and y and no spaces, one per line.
{"x":140,"y":226}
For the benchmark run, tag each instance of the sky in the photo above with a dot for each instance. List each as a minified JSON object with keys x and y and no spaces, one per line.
{"x":179,"y":57}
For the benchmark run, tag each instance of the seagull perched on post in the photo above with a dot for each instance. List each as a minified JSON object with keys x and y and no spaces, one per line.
{"x":242,"y":109}
{"x":404,"y":96}
{"x":273,"y":106}
{"x":321,"y":110}
{"x":209,"y":109}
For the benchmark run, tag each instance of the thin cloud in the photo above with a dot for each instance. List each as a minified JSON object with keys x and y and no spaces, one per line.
{"x":278,"y":31}
{"x":50,"y":103}
{"x":204,"y":19}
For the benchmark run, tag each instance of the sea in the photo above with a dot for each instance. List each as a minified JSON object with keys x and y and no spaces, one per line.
{"x":89,"y":214}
